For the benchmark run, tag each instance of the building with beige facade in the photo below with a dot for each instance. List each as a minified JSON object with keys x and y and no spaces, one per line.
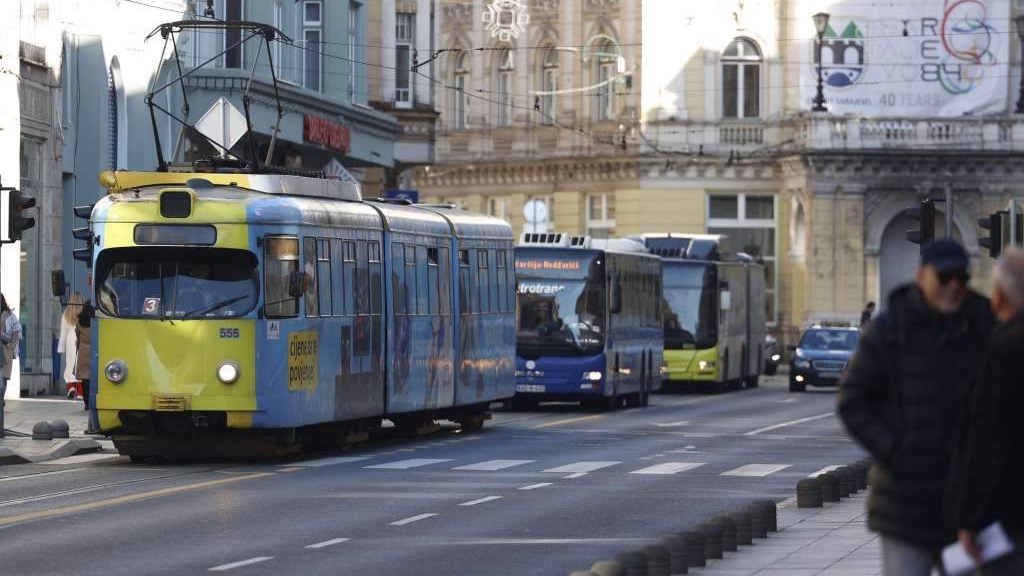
{"x":693,"y":117}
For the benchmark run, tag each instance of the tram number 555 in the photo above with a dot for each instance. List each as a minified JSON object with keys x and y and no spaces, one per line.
{"x":229,"y":333}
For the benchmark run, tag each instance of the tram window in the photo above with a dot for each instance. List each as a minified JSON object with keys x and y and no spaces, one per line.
{"x":465,"y":288}
{"x":398,"y":279}
{"x":444,"y":290}
{"x":338,"y":279}
{"x":422,"y":284}
{"x":309,"y":267}
{"x":499,"y":284}
{"x":375,"y":302}
{"x":323,"y":272}
{"x":483,"y":281}
{"x":362,"y":285}
{"x":349,"y":281}
{"x":280,"y":259}
{"x":433,"y":304}
{"x":411,"y":289}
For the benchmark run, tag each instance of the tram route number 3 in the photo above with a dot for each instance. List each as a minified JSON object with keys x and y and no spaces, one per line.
{"x":303,"y":348}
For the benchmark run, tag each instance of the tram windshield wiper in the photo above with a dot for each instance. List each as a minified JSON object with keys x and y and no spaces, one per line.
{"x":215,"y":306}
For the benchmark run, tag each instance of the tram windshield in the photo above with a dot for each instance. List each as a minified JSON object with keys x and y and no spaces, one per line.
{"x":691,"y":314}
{"x":178,"y":283}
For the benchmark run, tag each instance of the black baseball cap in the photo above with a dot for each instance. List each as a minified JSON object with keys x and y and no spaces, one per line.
{"x":945,"y":255}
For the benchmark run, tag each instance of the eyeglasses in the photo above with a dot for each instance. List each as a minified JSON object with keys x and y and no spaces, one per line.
{"x":945,"y":277}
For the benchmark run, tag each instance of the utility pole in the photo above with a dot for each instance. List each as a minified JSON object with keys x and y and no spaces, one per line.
{"x":949,"y":210}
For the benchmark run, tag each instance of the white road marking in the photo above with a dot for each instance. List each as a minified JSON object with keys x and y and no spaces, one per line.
{"x":668,"y":468}
{"x":412,"y":519}
{"x":672,"y":424}
{"x":756,"y":470}
{"x":241,"y":563}
{"x":480,"y":500}
{"x":535,"y":486}
{"x":330,"y":461}
{"x":327,"y":543}
{"x":790,"y":423}
{"x":493,"y":465}
{"x":586,"y":466}
{"x":825,"y":469}
{"x":787,"y":401}
{"x":576,"y":475}
{"x":410,"y":463}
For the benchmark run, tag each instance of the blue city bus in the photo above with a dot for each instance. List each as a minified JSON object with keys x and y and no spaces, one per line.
{"x":588,"y":321}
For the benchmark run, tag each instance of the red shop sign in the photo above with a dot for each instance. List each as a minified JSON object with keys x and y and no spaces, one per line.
{"x":320,"y":130}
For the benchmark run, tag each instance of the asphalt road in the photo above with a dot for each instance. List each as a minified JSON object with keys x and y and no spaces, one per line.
{"x":544,"y":492}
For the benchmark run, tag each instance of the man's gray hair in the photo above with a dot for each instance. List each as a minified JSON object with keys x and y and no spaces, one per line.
{"x":1009,"y":276}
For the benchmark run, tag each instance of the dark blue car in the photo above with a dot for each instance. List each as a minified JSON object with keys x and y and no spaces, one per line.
{"x":821,"y":357}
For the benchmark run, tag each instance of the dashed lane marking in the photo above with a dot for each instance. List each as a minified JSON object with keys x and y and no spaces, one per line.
{"x":672,"y":424}
{"x":327,"y":543}
{"x":493,"y":465}
{"x":240,"y":563}
{"x":567,"y":421}
{"x":790,"y":423}
{"x":480,"y":500}
{"x":410,"y":463}
{"x":412,"y":519}
{"x":668,"y":468}
{"x":586,"y":466}
{"x":756,"y":470}
{"x":535,"y":486}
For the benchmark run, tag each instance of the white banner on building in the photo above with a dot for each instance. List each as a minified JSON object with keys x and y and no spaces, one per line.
{"x":937,"y":58}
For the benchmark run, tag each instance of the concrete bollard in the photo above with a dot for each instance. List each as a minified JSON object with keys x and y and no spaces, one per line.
{"x":758,"y":523}
{"x":862,"y":475}
{"x":744,"y":527}
{"x":60,"y":429}
{"x":844,"y":482}
{"x":771,"y":514}
{"x":809,"y":493}
{"x":712,"y":540}
{"x":607,"y":568}
{"x":42,"y":431}
{"x":659,"y":560}
{"x":728,"y":532}
{"x":633,"y":563}
{"x":829,"y":487}
{"x":678,"y":563}
{"x":694,"y":542}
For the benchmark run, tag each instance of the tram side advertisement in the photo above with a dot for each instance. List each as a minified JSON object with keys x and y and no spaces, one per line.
{"x":303,"y":349}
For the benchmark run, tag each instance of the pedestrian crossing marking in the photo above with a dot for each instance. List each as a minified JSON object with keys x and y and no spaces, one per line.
{"x":410,"y":463}
{"x":825,"y":469}
{"x":583,"y":467}
{"x":493,"y":465}
{"x":756,"y":470}
{"x":668,"y":468}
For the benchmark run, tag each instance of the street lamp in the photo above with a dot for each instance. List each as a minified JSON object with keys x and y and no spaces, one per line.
{"x":1019,"y":21}
{"x":820,"y":24}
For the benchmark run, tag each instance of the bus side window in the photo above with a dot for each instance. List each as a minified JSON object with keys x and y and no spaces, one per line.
{"x":280,"y":259}
{"x":309,"y":267}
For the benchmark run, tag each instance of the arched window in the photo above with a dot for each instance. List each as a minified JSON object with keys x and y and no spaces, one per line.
{"x":741,"y":80}
{"x":506,"y":67}
{"x":606,"y":59}
{"x":549,"y":85}
{"x":460,"y":108}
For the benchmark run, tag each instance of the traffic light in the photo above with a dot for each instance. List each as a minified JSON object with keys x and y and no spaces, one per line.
{"x":925,"y":215}
{"x":998,"y":226}
{"x":85,"y":233}
{"x":19,"y":203}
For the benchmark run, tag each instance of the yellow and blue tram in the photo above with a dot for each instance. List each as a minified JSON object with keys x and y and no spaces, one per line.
{"x":262,"y":311}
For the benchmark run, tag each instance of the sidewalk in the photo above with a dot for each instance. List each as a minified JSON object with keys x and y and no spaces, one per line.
{"x":21,"y":415}
{"x":829,"y":541}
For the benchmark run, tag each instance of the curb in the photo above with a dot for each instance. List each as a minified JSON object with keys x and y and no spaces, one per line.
{"x":63,"y":449}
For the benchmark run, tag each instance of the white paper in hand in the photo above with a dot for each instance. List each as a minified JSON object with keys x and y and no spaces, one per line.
{"x":992,"y":542}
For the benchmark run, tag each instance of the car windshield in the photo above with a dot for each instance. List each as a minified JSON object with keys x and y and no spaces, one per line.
{"x":178,"y":283}
{"x":829,"y":340}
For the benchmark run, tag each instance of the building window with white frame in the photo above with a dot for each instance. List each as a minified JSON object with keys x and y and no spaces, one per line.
{"x":741,"y":80}
{"x":600,"y":215}
{"x":276,"y":46}
{"x":233,"y":37}
{"x":460,"y":98}
{"x":405,"y":43}
{"x":607,"y":62}
{"x":749,"y":221}
{"x":353,"y":42}
{"x":506,"y":69}
{"x":549,"y":86}
{"x":312,"y":37}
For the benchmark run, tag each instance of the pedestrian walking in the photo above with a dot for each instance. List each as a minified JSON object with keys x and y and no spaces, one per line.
{"x":83,"y":360}
{"x":866,"y":314}
{"x":989,"y":473}
{"x":67,"y":344}
{"x":10,"y":336}
{"x":901,"y":399}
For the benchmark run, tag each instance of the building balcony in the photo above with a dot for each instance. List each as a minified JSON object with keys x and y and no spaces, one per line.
{"x":822,"y":132}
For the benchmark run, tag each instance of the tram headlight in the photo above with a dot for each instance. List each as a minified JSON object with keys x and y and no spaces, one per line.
{"x":116,"y":371}
{"x":592,"y":376}
{"x":228,"y":372}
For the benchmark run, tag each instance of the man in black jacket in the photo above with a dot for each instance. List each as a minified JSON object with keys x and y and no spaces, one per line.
{"x":989,"y":475}
{"x":901,"y":399}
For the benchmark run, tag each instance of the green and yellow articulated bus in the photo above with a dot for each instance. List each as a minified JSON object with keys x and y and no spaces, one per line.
{"x":713,"y":312}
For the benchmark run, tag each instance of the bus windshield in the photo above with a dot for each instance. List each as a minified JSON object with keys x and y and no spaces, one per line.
{"x":564,"y":317}
{"x":178,"y":283}
{"x":691,"y":313}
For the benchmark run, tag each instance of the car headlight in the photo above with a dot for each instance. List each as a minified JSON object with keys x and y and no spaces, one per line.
{"x":706,"y":364}
{"x":116,"y":371}
{"x":802,"y":363}
{"x":592,"y":376}
{"x":228,"y":372}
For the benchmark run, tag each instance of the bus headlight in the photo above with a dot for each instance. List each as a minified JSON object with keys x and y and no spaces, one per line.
{"x":228,"y":372}
{"x":706,"y":365}
{"x":116,"y":371}
{"x":592,"y":376}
